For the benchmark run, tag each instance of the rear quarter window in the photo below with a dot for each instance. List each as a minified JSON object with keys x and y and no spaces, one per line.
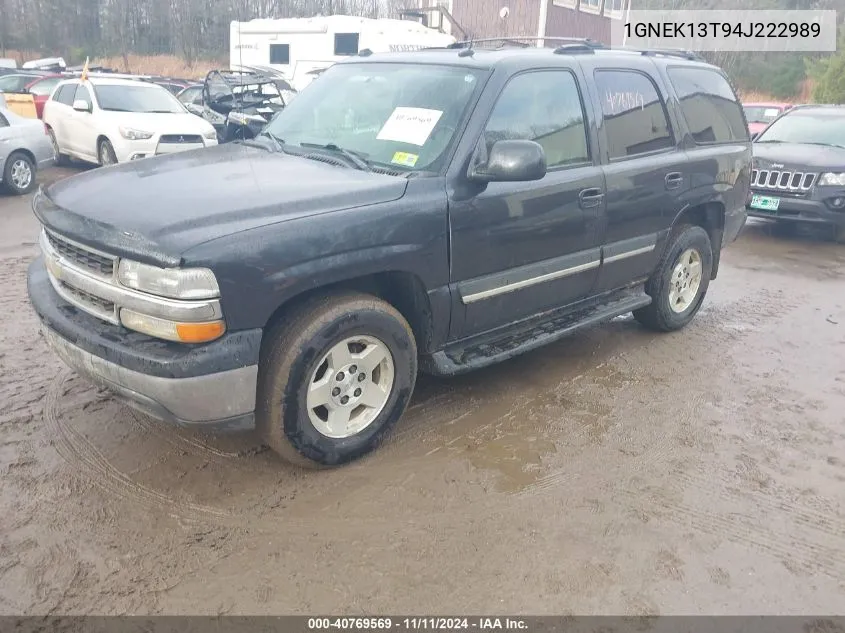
{"x":709,"y":106}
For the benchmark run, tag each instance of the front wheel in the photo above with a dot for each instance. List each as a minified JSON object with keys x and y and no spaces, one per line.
{"x":679,"y":283}
{"x":334,"y":376}
{"x":106,"y":153}
{"x":839,"y":234}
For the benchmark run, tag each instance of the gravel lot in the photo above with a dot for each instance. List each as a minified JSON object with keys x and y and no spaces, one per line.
{"x":618,"y":471}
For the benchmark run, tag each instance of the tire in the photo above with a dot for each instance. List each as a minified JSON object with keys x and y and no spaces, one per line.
{"x":62,"y":160}
{"x":839,"y":234}
{"x":693,"y":244}
{"x":296,"y":351}
{"x":19,"y":174}
{"x":106,"y":154}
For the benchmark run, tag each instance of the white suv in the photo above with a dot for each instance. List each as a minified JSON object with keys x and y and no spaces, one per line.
{"x":107,"y":121}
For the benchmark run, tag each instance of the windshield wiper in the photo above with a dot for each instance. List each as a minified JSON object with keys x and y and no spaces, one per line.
{"x":280,"y":143}
{"x":353,"y":157}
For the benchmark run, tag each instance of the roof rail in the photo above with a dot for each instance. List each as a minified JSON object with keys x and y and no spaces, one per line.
{"x":668,"y":52}
{"x":520,"y":41}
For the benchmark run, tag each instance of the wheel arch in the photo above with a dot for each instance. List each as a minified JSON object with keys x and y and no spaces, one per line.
{"x":403,"y":290}
{"x":710,"y":216}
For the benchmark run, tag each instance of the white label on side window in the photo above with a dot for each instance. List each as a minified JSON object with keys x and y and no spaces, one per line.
{"x":771,"y":112}
{"x":409,"y":125}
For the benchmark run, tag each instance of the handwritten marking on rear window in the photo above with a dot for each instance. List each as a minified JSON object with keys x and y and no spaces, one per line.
{"x":623,"y":101}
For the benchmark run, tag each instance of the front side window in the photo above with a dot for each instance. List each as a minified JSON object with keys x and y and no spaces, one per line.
{"x":635,"y":120}
{"x":403,"y":116}
{"x":709,"y":106}
{"x":545,"y":107}
{"x":148,"y":99}
{"x":82,"y":94}
{"x":14,"y":83}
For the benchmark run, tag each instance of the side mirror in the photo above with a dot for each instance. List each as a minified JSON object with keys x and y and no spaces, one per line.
{"x":511,"y":161}
{"x":81,"y":105}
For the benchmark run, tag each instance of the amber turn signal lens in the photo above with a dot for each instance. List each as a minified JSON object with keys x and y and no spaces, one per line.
{"x":200,"y":332}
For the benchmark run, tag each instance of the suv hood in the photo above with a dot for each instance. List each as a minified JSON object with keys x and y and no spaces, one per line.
{"x":799,"y":155}
{"x":155,"y":209}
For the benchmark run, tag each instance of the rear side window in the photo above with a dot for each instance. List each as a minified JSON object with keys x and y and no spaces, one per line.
{"x":635,"y":118}
{"x":280,"y":53}
{"x":709,"y":105}
{"x":65,"y":94}
{"x":545,"y":107}
{"x":82,"y":94}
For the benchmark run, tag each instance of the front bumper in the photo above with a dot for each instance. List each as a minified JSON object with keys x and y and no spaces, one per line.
{"x":126,"y":150}
{"x":800,"y":210}
{"x":212,"y":386}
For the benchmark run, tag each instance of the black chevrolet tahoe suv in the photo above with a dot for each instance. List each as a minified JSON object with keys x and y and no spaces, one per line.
{"x":798,"y":175}
{"x":439,"y":210}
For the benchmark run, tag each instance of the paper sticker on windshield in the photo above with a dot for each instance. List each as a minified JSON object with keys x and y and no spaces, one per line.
{"x":410,"y":125}
{"x":771,"y":112}
{"x":405,"y":159}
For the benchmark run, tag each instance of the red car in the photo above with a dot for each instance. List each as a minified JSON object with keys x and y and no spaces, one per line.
{"x":759,"y":115}
{"x":38,"y":85}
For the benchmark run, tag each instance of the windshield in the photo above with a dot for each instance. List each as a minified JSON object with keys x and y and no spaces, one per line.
{"x":404,"y":116}
{"x":137,"y":99}
{"x":806,"y":128}
{"x":761,"y":114}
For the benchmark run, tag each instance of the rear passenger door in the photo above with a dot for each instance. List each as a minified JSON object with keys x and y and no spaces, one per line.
{"x":645,"y":171}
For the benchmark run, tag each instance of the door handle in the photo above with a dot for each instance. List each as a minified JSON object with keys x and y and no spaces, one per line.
{"x":591,"y":197}
{"x":674,"y":179}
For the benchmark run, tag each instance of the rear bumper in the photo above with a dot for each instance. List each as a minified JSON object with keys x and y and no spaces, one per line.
{"x":802,"y":210}
{"x":212,"y":386}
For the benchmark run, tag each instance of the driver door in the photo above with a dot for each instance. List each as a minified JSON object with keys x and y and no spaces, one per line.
{"x":521,"y":248}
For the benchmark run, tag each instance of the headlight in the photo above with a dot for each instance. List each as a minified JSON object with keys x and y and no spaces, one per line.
{"x":133,"y":134}
{"x":832,"y":180}
{"x":210,"y":134}
{"x":176,"y":283}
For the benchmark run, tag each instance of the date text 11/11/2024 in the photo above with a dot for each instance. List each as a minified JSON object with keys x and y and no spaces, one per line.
{"x":418,"y":624}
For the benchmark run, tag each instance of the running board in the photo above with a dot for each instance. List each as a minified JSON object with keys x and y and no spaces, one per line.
{"x":504,"y":343}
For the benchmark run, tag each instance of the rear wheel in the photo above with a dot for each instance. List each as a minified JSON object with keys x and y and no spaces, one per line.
{"x":19,"y":174}
{"x":106,"y":153}
{"x":334,"y":376}
{"x":678,"y":286}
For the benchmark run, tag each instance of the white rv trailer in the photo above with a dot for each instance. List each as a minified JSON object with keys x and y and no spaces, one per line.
{"x":299,"y":46}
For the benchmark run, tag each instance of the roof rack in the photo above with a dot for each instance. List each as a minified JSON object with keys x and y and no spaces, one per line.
{"x":520,"y":41}
{"x":668,"y":52}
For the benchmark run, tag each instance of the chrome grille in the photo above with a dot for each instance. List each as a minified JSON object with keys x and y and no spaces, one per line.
{"x":795,"y":181}
{"x":96,"y":305}
{"x":96,"y":262}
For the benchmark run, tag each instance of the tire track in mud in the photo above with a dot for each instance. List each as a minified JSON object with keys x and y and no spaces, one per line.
{"x":792,"y":549}
{"x":176,"y":439}
{"x":82,"y":455}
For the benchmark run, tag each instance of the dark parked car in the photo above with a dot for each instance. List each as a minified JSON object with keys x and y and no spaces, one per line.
{"x":442,"y":209}
{"x":799,"y":169}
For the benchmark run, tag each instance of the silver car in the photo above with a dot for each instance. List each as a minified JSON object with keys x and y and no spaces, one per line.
{"x":25,"y":148}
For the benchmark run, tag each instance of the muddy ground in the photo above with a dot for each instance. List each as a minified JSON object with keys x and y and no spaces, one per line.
{"x":618,"y":471}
